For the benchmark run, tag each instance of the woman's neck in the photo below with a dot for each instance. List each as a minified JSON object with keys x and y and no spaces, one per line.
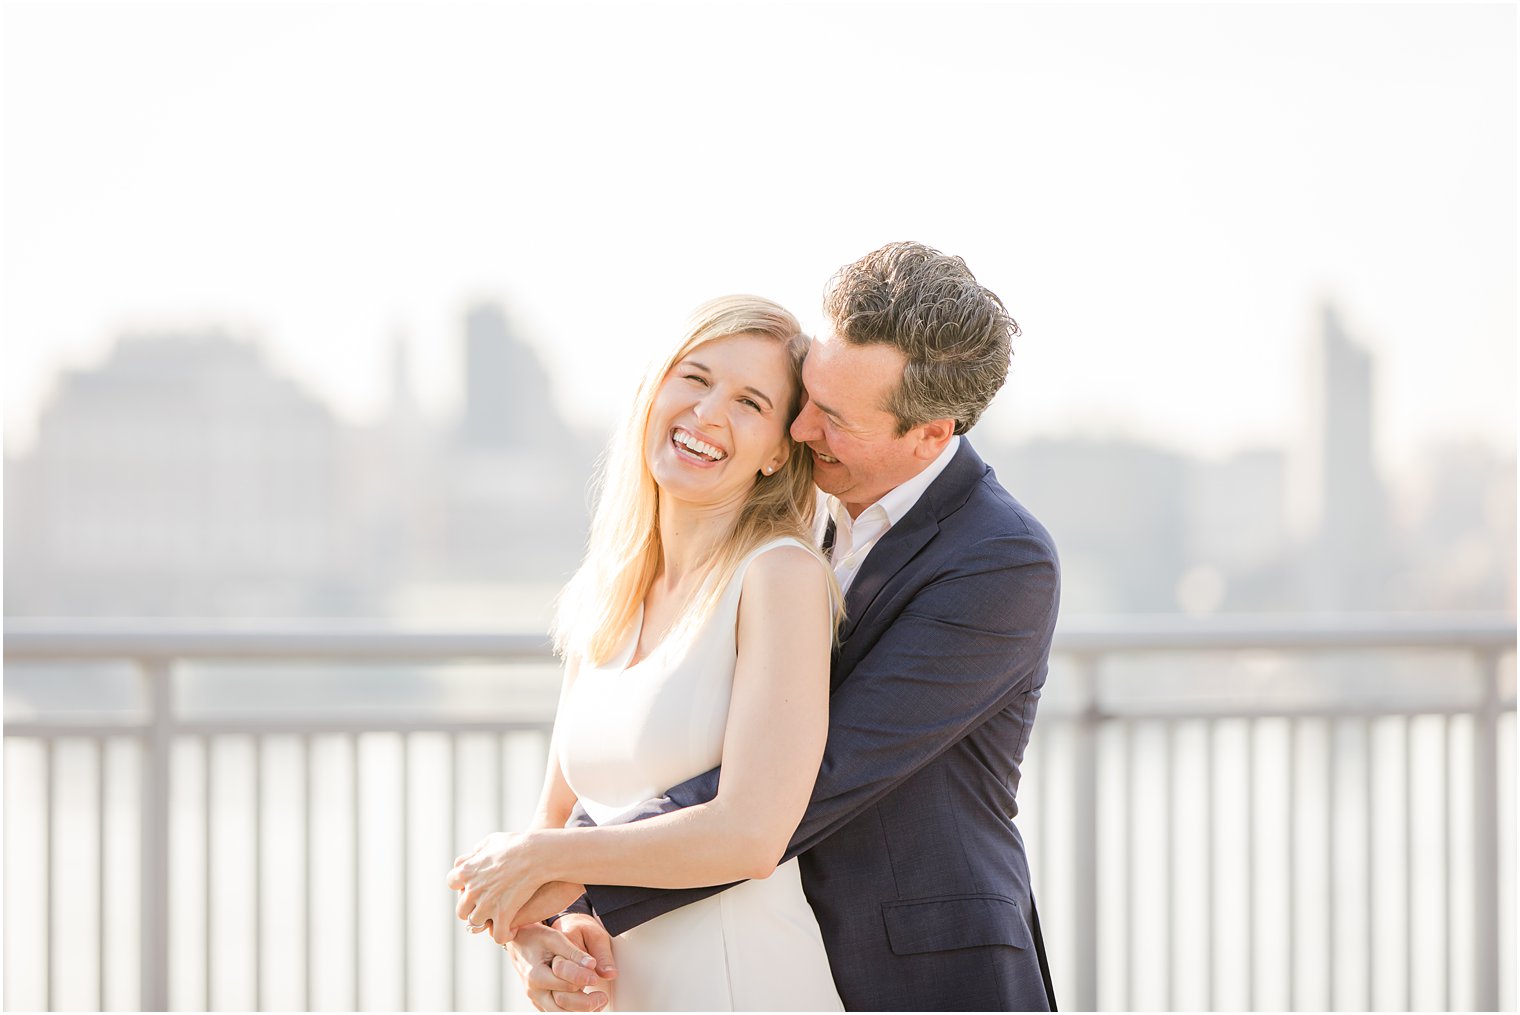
{"x":688,"y":536}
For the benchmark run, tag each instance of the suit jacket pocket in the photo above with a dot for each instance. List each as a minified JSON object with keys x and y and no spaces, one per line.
{"x":954,"y":921}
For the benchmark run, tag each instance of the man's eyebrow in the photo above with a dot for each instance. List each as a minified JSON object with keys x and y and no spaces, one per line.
{"x":826,"y":410}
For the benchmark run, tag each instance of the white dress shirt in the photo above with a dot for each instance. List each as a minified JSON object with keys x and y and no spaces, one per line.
{"x":855,"y":537}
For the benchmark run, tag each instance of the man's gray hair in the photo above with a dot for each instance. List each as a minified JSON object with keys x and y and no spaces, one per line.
{"x":955,"y":334}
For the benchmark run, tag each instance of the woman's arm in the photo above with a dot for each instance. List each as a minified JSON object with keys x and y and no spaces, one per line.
{"x":557,"y":799}
{"x":773,"y":743}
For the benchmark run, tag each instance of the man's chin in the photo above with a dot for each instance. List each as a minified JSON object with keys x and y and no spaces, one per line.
{"x":828,"y":484}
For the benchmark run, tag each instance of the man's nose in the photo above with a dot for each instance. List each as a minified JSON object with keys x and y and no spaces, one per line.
{"x":805,"y":427}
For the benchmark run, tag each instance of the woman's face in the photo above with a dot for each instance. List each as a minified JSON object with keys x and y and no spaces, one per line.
{"x":719,"y":418}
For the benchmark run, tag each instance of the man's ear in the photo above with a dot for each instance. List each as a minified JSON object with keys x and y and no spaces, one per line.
{"x":931,"y":438}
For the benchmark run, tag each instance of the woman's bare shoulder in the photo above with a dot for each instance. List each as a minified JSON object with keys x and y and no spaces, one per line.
{"x":783,"y":563}
{"x":787,"y":576}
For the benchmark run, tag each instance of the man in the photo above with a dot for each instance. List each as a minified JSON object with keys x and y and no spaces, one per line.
{"x":909,"y":855}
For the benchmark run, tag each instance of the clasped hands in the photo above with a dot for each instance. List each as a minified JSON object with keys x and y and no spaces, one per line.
{"x":505,"y":882}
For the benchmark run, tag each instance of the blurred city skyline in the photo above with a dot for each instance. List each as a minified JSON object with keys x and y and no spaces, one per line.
{"x":189,"y":475}
{"x":1165,"y":196}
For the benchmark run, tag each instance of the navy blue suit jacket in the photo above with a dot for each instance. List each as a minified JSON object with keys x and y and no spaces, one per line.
{"x":909,"y":854}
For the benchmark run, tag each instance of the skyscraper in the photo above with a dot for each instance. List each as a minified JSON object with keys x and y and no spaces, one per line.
{"x":1347,"y":553}
{"x":507,"y":403}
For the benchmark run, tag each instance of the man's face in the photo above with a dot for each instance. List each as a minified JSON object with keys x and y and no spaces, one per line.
{"x":857,"y":453}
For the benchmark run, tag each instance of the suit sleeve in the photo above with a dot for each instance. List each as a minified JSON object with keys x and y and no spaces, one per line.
{"x":967,"y":645}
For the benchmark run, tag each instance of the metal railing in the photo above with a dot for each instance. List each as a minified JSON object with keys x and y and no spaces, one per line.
{"x":1197,"y":792}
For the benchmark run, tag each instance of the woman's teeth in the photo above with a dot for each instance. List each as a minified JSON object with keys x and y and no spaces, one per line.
{"x":702,"y":448}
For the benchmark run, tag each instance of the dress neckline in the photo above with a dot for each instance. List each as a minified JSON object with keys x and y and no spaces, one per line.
{"x":627,"y":662}
{"x":638,"y":632}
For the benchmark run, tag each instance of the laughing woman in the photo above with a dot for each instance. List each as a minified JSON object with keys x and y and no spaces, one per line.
{"x":696,"y":633}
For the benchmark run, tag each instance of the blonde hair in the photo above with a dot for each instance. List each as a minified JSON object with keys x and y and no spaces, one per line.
{"x":623,"y":551}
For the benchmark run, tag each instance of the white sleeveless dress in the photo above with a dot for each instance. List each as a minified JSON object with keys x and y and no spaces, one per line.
{"x":629,"y":733}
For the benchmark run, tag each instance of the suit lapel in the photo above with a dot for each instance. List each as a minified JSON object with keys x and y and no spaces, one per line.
{"x":902,"y":541}
{"x":886,"y":558}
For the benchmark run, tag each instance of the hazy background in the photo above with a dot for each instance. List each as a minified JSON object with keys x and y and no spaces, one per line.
{"x":325,"y":309}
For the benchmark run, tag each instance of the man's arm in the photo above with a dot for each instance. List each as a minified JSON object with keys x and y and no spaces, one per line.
{"x":964,"y":647}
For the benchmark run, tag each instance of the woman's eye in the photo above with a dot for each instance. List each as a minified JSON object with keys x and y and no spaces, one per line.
{"x":696,"y":377}
{"x":751,"y":403}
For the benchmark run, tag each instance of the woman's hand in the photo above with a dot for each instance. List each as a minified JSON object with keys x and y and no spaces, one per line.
{"x":550,"y":900}
{"x":497,"y":878}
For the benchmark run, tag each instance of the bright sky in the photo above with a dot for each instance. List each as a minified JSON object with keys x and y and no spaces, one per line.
{"x":1160,"y":194}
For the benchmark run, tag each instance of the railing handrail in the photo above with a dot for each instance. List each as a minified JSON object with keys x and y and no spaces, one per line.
{"x":1296,"y":632}
{"x":368,"y":640}
{"x":215,"y":639}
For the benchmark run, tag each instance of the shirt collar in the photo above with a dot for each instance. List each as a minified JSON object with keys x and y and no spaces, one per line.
{"x":898,"y":501}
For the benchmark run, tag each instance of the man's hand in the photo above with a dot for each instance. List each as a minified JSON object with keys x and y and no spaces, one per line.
{"x":555,"y":964}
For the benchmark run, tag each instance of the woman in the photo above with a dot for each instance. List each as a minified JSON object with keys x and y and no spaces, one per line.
{"x":697,"y":631}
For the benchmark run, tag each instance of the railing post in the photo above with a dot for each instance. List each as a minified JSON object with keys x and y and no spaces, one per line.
{"x":1486,"y":838}
{"x":158,"y":741}
{"x":1085,"y":774}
